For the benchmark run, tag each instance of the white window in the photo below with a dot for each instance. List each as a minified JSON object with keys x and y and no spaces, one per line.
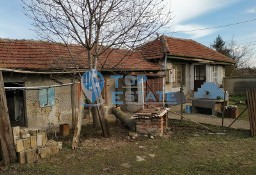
{"x":215,"y":74}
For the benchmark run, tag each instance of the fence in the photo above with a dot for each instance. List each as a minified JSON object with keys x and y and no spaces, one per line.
{"x":238,"y":85}
{"x":230,"y":113}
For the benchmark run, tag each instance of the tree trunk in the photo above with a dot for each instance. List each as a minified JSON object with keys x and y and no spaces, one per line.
{"x":6,"y":137}
{"x":78,"y":121}
{"x":95,"y":118}
{"x":102,"y":117}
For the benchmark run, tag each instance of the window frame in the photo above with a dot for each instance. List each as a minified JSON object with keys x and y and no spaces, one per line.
{"x":179,"y":74}
{"x":47,"y":97}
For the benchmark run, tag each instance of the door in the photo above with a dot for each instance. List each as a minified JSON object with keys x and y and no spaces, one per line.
{"x":154,"y":86}
{"x":199,"y":76}
{"x":16,"y":104}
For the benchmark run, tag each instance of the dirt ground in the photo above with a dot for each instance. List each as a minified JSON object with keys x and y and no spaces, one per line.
{"x":187,"y":149}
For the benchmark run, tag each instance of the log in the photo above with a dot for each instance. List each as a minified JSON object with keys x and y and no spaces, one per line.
{"x":6,"y":137}
{"x":130,"y":123}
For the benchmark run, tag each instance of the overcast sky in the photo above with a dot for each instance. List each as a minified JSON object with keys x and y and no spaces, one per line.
{"x":187,"y":15}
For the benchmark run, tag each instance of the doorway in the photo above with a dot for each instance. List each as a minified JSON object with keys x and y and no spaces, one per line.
{"x":16,"y":104}
{"x":200,"y":76}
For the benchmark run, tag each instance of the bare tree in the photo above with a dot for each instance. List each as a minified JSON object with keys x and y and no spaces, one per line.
{"x":97,"y":25}
{"x":242,"y":54}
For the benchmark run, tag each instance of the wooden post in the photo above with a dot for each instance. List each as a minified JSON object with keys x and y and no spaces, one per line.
{"x":6,"y":137}
{"x":181,"y":103}
{"x":223,"y":110}
{"x":73,"y":104}
{"x":251,"y":102}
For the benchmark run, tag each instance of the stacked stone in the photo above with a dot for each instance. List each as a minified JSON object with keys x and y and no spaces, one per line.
{"x":32,"y":144}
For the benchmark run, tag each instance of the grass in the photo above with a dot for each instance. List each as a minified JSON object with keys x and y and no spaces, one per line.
{"x":189,"y":149}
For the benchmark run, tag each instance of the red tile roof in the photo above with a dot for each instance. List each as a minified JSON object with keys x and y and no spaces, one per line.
{"x":181,"y":48}
{"x":39,"y":55}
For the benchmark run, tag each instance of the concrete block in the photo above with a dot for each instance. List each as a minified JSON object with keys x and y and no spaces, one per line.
{"x":43,"y":152}
{"x":19,"y":145}
{"x":24,"y":133}
{"x":26,"y":143}
{"x":16,"y":133}
{"x":44,"y":138}
{"x":39,"y":140}
{"x":54,"y":149}
{"x":30,"y":155}
{"x":22,"y":157}
{"x":33,"y":132}
{"x":33,"y":142}
{"x":48,"y":150}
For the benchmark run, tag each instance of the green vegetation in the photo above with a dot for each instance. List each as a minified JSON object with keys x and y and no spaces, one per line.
{"x":188,"y":149}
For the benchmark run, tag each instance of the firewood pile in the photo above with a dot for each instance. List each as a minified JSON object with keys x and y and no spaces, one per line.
{"x":32,"y":144}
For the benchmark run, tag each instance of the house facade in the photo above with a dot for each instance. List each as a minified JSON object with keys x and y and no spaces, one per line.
{"x":186,"y":63}
{"x":42,"y":80}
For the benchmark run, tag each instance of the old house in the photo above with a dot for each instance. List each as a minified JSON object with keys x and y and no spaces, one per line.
{"x":41,"y":79}
{"x":187,"y":63}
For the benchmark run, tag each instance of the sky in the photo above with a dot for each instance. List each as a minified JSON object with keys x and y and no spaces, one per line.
{"x":186,"y":15}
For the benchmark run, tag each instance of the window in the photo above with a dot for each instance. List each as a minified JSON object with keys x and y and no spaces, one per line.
{"x":47,"y":97}
{"x":215,"y":74}
{"x":178,"y":74}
